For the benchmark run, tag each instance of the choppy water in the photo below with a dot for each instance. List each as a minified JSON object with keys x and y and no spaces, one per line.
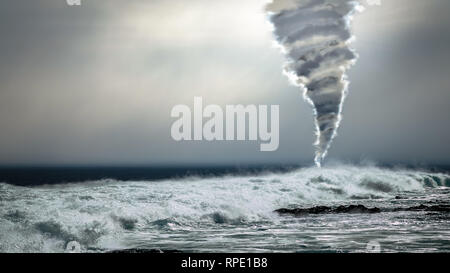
{"x":231,"y":214}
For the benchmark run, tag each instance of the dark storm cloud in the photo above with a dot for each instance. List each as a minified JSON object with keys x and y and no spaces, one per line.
{"x":400,"y":97}
{"x":95,"y":84}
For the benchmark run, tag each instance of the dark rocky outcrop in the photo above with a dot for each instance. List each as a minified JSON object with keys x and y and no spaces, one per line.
{"x":437,"y":208}
{"x":359,"y":209}
{"x":328,"y":210}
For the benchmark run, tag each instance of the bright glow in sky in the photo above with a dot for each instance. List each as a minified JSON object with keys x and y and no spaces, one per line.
{"x":96,"y":83}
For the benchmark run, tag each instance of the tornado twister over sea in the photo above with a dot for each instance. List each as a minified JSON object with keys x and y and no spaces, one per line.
{"x":315,"y":36}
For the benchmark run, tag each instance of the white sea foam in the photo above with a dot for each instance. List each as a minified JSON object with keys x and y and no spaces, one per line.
{"x":99,"y":213}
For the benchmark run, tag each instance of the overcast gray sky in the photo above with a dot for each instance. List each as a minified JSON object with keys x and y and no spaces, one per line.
{"x":95,"y":84}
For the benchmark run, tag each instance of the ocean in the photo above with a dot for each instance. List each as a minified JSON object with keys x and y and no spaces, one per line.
{"x":334,"y":209}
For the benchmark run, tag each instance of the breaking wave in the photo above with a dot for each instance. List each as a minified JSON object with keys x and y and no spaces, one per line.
{"x":99,"y":214}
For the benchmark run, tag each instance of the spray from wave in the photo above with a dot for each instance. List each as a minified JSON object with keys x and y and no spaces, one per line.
{"x":180,"y":214}
{"x":315,"y":37}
